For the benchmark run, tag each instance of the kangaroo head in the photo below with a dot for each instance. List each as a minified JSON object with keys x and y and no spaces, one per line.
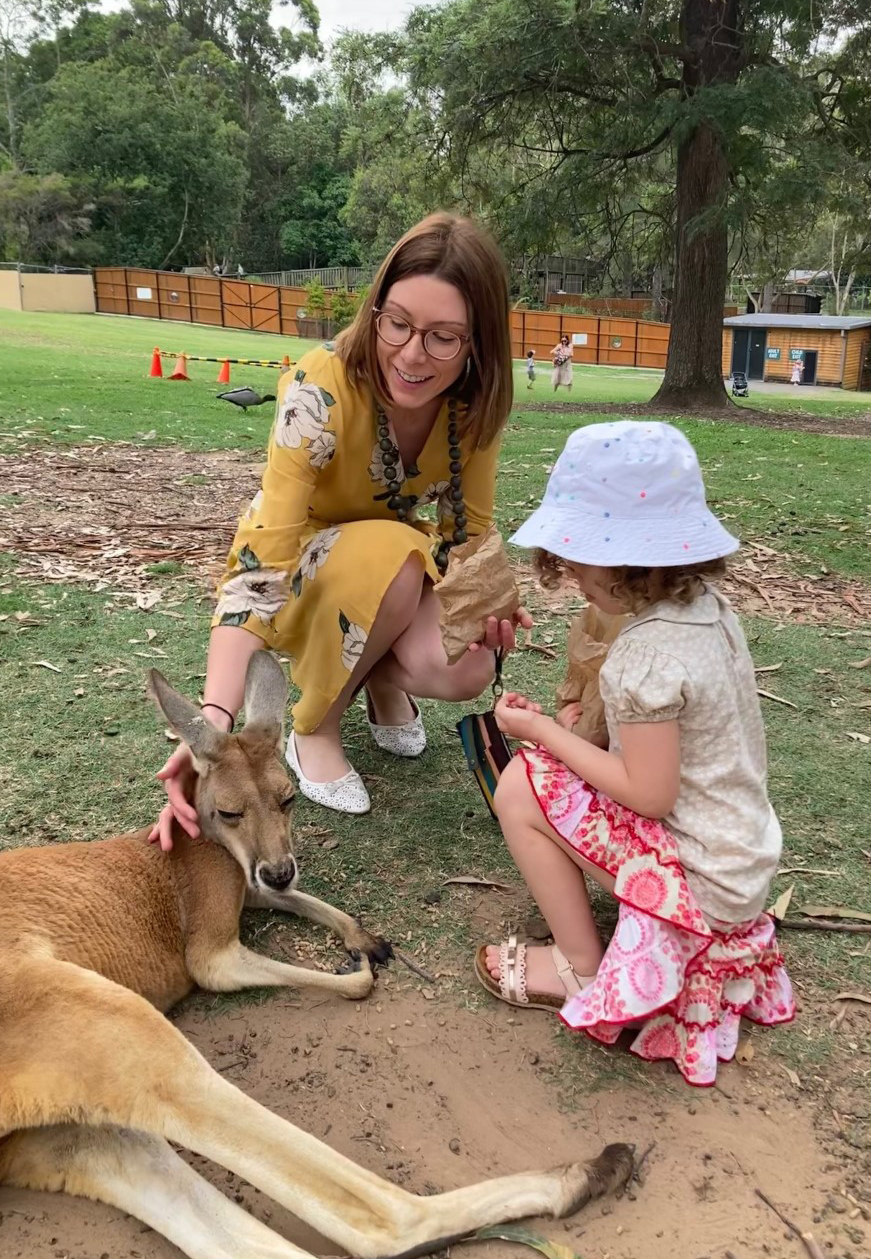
{"x":243,"y":793}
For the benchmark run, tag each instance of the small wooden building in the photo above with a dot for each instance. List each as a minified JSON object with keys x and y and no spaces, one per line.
{"x":833,"y":349}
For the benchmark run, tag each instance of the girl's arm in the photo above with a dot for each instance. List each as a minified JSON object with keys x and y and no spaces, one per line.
{"x":645,"y":776}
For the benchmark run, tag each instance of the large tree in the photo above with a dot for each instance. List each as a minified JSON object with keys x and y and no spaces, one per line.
{"x":584,"y":98}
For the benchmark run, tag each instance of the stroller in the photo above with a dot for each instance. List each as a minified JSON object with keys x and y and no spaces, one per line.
{"x":740,"y":388}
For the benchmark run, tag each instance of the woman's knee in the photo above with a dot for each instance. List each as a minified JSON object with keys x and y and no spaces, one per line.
{"x":403,"y":593}
{"x":469,"y":678}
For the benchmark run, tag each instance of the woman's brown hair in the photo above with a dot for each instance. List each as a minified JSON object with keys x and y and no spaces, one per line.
{"x":638,"y":588}
{"x":461,"y":253}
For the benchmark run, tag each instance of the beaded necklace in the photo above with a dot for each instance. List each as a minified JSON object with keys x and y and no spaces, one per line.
{"x":399,"y":504}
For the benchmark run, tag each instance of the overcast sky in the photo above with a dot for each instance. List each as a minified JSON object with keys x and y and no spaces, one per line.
{"x":361,"y":15}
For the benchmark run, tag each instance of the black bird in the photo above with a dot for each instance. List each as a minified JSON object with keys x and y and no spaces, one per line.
{"x":246,"y":397}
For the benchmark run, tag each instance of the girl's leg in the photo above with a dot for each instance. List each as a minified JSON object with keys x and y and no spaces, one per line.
{"x":554,"y":874}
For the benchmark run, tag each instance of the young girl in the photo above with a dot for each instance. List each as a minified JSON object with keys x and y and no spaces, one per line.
{"x":674,"y":819}
{"x":530,"y":368}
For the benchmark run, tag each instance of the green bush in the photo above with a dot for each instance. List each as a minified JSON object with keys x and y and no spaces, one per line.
{"x":343,"y":308}
{"x":315,"y":300}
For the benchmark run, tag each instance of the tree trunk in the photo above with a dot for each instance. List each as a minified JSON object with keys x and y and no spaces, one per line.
{"x":712,"y":33}
{"x":768,"y":295}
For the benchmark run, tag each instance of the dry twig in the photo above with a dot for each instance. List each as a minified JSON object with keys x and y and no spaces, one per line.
{"x":807,"y":1239}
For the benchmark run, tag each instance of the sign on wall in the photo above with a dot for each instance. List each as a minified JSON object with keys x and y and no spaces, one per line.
{"x":796,"y":356}
{"x":143,"y":295}
{"x":773,"y":352}
{"x":579,"y":338}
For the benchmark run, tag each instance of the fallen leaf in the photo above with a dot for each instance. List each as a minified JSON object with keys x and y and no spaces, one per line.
{"x":151,"y":634}
{"x":806,"y":870}
{"x":768,"y":668}
{"x":854,"y":996}
{"x":146,"y":599}
{"x":793,"y":1077}
{"x":26,"y":619}
{"x":745,"y":1051}
{"x":858,"y":737}
{"x":472,"y":881}
{"x":46,"y":664}
{"x":860,"y":664}
{"x":781,"y":905}
{"x":79,"y":691}
{"x":834,"y":911}
{"x":428,"y":994}
{"x":551,"y":1250}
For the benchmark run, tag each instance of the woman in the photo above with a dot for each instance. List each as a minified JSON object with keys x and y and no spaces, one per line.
{"x":562,"y":364}
{"x":330,"y":563}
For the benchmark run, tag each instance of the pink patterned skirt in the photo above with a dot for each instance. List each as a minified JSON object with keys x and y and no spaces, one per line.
{"x":686,"y":983}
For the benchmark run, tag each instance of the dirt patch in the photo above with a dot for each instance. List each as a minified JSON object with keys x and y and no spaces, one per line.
{"x":104,"y":518}
{"x":789,"y":421}
{"x":432,"y":1097}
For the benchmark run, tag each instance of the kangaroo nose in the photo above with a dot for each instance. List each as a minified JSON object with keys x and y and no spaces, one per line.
{"x":278,"y":876}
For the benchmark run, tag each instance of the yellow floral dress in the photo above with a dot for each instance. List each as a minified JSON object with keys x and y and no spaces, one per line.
{"x":318,"y":547}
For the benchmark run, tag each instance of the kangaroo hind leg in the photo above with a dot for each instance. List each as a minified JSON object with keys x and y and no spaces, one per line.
{"x":143,"y":1176}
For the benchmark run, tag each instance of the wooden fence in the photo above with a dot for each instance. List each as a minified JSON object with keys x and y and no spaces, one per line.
{"x":274,"y":308}
{"x":596,"y":339}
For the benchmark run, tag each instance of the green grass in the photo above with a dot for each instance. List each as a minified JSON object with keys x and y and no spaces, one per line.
{"x":78,"y":747}
{"x":71,"y":378}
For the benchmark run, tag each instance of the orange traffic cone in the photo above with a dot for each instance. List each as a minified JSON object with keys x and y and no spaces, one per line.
{"x":180,"y":371}
{"x":285,"y":363}
{"x":156,"y":368}
{"x":224,"y":373}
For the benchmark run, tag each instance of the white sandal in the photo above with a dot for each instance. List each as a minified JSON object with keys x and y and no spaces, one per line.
{"x":407,"y":740}
{"x":511,"y":985}
{"x":346,"y":795}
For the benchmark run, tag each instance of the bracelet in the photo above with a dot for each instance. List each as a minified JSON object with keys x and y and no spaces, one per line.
{"x":221,"y":709}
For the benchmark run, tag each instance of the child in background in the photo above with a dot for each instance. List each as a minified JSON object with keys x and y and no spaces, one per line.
{"x":674,"y":819}
{"x":530,"y":368}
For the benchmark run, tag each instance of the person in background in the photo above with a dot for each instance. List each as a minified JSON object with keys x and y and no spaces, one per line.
{"x":561,"y":355}
{"x":796,"y":372}
{"x":530,"y":368}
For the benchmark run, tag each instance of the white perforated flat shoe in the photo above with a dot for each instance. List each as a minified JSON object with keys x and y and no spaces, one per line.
{"x":345,"y":795}
{"x":407,"y":740}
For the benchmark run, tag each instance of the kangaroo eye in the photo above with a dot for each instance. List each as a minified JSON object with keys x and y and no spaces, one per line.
{"x":228,"y":816}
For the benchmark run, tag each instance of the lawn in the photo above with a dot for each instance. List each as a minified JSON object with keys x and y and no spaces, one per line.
{"x":79,"y":742}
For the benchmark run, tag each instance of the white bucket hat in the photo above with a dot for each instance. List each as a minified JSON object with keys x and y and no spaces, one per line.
{"x":629,"y":492}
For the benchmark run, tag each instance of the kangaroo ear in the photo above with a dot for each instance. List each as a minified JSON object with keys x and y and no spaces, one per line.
{"x":265,"y":694}
{"x":186,"y":719}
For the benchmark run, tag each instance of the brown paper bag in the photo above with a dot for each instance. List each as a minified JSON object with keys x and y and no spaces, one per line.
{"x":590,"y":636}
{"x":478,"y":583}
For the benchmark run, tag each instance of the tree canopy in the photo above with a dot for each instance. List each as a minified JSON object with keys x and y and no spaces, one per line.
{"x":674,"y":145}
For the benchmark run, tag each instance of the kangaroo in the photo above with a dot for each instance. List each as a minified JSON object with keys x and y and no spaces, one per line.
{"x":97,"y":940}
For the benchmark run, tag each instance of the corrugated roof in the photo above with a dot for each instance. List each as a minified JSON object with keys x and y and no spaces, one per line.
{"x":836,"y":323}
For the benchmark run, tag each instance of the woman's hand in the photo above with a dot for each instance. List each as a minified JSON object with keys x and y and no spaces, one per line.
{"x":177,"y":778}
{"x":569,"y":716}
{"x":502,"y":635}
{"x":518,"y":717}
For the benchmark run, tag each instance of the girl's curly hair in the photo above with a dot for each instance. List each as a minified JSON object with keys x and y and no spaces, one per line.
{"x":638,"y":588}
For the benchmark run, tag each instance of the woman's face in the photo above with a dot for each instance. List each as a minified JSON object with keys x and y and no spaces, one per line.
{"x":413,"y":377}
{"x":564,"y":340}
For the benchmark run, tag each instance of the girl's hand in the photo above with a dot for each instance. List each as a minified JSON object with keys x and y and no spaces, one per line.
{"x":177,"y":778}
{"x":517,"y":716}
{"x":569,"y":716}
{"x":501,"y":635}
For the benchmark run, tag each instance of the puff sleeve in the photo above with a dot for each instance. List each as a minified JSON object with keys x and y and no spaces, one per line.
{"x":641,"y":684}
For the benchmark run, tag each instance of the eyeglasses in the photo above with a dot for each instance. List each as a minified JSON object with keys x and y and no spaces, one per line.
{"x":438,"y":342}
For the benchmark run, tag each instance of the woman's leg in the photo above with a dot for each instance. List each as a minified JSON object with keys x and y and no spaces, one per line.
{"x":554,"y":874}
{"x":417,"y":664}
{"x":321,"y":755}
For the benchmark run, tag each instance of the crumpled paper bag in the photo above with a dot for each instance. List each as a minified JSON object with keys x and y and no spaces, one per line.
{"x":478,"y":583}
{"x":590,"y":637}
